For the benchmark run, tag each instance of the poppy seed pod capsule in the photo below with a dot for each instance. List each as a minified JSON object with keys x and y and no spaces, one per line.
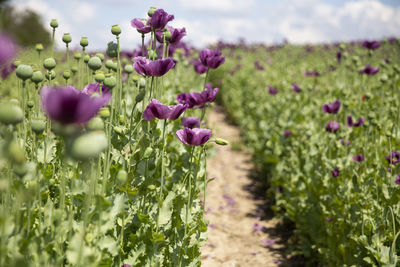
{"x":10,"y":113}
{"x":115,"y":29}
{"x":66,"y":38}
{"x":151,"y":11}
{"x":52,"y":75}
{"x":74,"y":69}
{"x":112,"y":49}
{"x":77,"y":55}
{"x":99,"y":76}
{"x":39,"y":47}
{"x":104,"y":113}
{"x":140,"y":96}
{"x":15,"y":152}
{"x":86,"y":58}
{"x":221,"y":142}
{"x":142,"y":83}
{"x":122,"y":176}
{"x":49,"y":63}
{"x":128,"y":69}
{"x":110,"y":82}
{"x":84,"y":42}
{"x":114,"y":66}
{"x":66,"y":75}
{"x":95,"y":124}
{"x":88,"y":145}
{"x":94,"y":63}
{"x":100,"y":55}
{"x":109,"y":64}
{"x":38,"y":126}
{"x":24,"y":72}
{"x":53,"y":23}
{"x":30,"y":104}
{"x":124,"y":61}
{"x":167,"y":34}
{"x":37,"y":77}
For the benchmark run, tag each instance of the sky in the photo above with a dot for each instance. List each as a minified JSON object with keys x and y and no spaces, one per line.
{"x":207,"y":21}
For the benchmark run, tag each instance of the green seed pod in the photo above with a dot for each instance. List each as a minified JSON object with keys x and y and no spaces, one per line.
{"x":37,"y":77}
{"x":151,"y":11}
{"x":139,"y":97}
{"x":116,"y":30}
{"x":39,"y":47}
{"x":95,"y":124}
{"x":24,"y":72}
{"x":53,"y":23}
{"x":99,"y":77}
{"x":10,"y":113}
{"x":122,"y":118}
{"x":384,"y":78}
{"x":110,"y":82}
{"x":147,"y":153}
{"x":20,"y":169}
{"x":221,"y":142}
{"x":124,"y":61}
{"x":109,"y":64}
{"x":16,"y":63}
{"x":167,"y":34}
{"x":101,"y":56}
{"x":342,"y":46}
{"x":66,"y":38}
{"x":142,"y":83}
{"x":38,"y":126}
{"x":15,"y":152}
{"x":94,"y":63}
{"x":30,"y":104}
{"x":84,"y":42}
{"x":86,"y":59}
{"x":114,"y":66}
{"x":355,"y":59}
{"x":128,"y":69}
{"x":52,"y":75}
{"x":88,"y":145}
{"x":66,"y":75}
{"x":77,"y":56}
{"x":118,"y":130}
{"x":49,"y":63}
{"x":74,"y":69}
{"x":112,"y":49}
{"x":104,"y":113}
{"x":122,"y":176}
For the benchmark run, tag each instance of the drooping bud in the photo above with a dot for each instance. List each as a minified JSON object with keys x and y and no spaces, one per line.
{"x":122,"y":176}
{"x":67,"y":38}
{"x":140,"y":96}
{"x":10,"y":113}
{"x":84,"y":42}
{"x":110,"y":82}
{"x":49,"y":63}
{"x":24,"y":72}
{"x":112,"y":49}
{"x":116,"y":30}
{"x":94,"y":63}
{"x":54,"y":23}
{"x":221,"y":142}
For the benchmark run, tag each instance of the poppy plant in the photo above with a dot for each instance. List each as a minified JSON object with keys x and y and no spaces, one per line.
{"x":194,"y":137}
{"x":211,"y":58}
{"x":198,"y":67}
{"x":394,"y":158}
{"x":332,"y":108}
{"x":141,"y":25}
{"x":157,"y":110}
{"x":156,"y":68}
{"x":358,"y":158}
{"x":296,"y":87}
{"x":351,"y":123}
{"x":372,"y":45}
{"x":176,"y":35}
{"x":198,"y":100}
{"x":335,"y":173}
{"x":272,"y":90}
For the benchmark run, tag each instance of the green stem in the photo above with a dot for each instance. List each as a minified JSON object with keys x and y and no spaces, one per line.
{"x":162,"y":159}
{"x":142,"y":45}
{"x":205,"y":79}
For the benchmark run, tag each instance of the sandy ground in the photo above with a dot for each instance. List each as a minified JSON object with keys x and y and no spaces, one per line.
{"x":237,"y":236}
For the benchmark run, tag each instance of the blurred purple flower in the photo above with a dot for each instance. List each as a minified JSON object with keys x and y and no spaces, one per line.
{"x":93,"y":90}
{"x":268,"y":242}
{"x":157,"y":68}
{"x":332,"y":108}
{"x":176,"y":35}
{"x":194,"y":137}
{"x":329,"y":219}
{"x":157,"y":110}
{"x":369,"y":70}
{"x":312,"y":73}
{"x":198,"y":100}
{"x":258,"y":66}
{"x":126,"y":265}
{"x":211,"y":58}
{"x":191,"y":122}
{"x":199,"y":67}
{"x":372,"y":45}
{"x":6,"y":70}
{"x":339,"y":57}
{"x":296,"y":87}
{"x":394,"y":158}
{"x":335,"y":172}
{"x":358,"y":158}
{"x":347,"y":143}
{"x":160,"y":19}
{"x":68,"y":105}
{"x":257,"y":228}
{"x":272,"y":90}
{"x":358,"y":123}
{"x":141,"y":25}
{"x":7,"y":49}
{"x":332,"y":127}
{"x":397,"y":179}
{"x":287,"y":133}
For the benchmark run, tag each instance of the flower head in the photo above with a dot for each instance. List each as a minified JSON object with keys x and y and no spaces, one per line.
{"x":160,"y":19}
{"x":198,"y":100}
{"x":372,"y":45}
{"x":198,"y":67}
{"x":211,"y":58}
{"x":335,"y":172}
{"x":190,"y":122}
{"x":93,"y":89}
{"x":272,"y":90}
{"x":141,"y":26}
{"x":397,"y":181}
{"x":332,"y":108}
{"x":287,"y":133}
{"x":339,"y":57}
{"x":332,"y":127}
{"x":157,"y":110}
{"x":176,"y":35}
{"x":358,"y":158}
{"x":358,"y":123}
{"x":157,"y":68}
{"x":394,"y":158}
{"x":369,"y":70}
{"x":7,"y":50}
{"x":296,"y":87}
{"x":194,"y":137}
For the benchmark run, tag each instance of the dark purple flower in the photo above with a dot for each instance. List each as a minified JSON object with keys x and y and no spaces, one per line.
{"x":372,"y":45}
{"x":332,"y":127}
{"x":335,"y":172}
{"x":369,"y":70}
{"x":157,"y":110}
{"x":258,"y":66}
{"x":208,"y":85}
{"x":272,"y":90}
{"x":191,"y":122}
{"x":394,"y":158}
{"x":157,"y":68}
{"x":7,"y":49}
{"x":339,"y":57}
{"x":332,"y":108}
{"x":198,"y":67}
{"x":312,"y":73}
{"x":141,"y":25}
{"x":194,"y":137}
{"x":68,"y":105}
{"x":296,"y":87}
{"x":93,"y":90}
{"x":347,"y":143}
{"x":6,"y":70}
{"x":358,"y":158}
{"x":160,"y":19}
{"x":176,"y":35}
{"x":211,"y":58}
{"x":397,"y":179}
{"x":198,"y":100}
{"x":358,"y":123}
{"x":329,"y":219}
{"x":287,"y":133}
{"x":208,"y":95}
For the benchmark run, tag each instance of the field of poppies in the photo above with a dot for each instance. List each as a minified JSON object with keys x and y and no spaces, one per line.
{"x":99,"y":166}
{"x":322,"y":124}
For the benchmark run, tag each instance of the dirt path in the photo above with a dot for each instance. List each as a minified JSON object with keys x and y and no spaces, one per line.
{"x":236,"y":236}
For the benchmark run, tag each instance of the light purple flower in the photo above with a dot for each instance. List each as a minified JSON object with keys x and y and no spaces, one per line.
{"x":194,"y":137}
{"x":287,"y":133}
{"x":93,"y":90}
{"x":157,"y":68}
{"x":369,"y":70}
{"x":211,"y":58}
{"x":141,"y":25}
{"x":358,"y":158}
{"x":191,"y":122}
{"x":176,"y":35}
{"x":296,"y":87}
{"x":332,"y":127}
{"x":272,"y":90}
{"x":332,"y":108}
{"x":335,"y":173}
{"x":160,"y":19}
{"x":157,"y":110}
{"x":7,"y":50}
{"x":268,"y":242}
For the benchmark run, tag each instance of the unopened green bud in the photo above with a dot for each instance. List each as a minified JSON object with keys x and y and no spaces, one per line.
{"x":88,"y":145}
{"x":118,"y":130}
{"x":24,"y":72}
{"x":30,"y":104}
{"x":221,"y":142}
{"x":74,"y":69}
{"x":100,"y":55}
{"x":139,"y":97}
{"x":49,"y":63}
{"x":10,"y":113}
{"x":66,"y":75}
{"x":50,"y":74}
{"x":122,"y":118}
{"x":142,"y":83}
{"x":53,"y":23}
{"x":67,"y":38}
{"x":122,"y":176}
{"x":37,"y":77}
{"x":15,"y":152}
{"x":128,"y":69}
{"x":104,"y":112}
{"x":124,"y":61}
{"x":95,"y":124}
{"x":167,"y":34}
{"x":112,"y":49}
{"x":84,"y":42}
{"x":38,"y":126}
{"x":20,"y":169}
{"x":94,"y":63}
{"x":77,"y":55}
{"x":110,"y":82}
{"x":342,"y":46}
{"x":115,"y":29}
{"x":151,"y":11}
{"x":86,"y":58}
{"x":99,"y":77}
{"x":147,"y":153}
{"x":109,"y":64}
{"x":39,"y":47}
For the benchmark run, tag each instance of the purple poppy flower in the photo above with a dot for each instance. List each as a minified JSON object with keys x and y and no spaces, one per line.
{"x":208,"y":85}
{"x":157,"y":68}
{"x":176,"y":35}
{"x":329,"y":219}
{"x":160,"y":19}
{"x":287,"y":133}
{"x":397,"y":179}
{"x":68,"y":105}
{"x":272,"y":90}
{"x":268,"y":242}
{"x":335,"y":172}
{"x":198,"y":67}
{"x":358,"y":123}
{"x":157,"y":110}
{"x":358,"y":158}
{"x":211,"y":58}
{"x":208,"y":95}
{"x":332,"y":127}
{"x":258,"y":66}
{"x":92,"y":89}
{"x":389,"y":169}
{"x":394,"y":158}
{"x":141,"y":25}
{"x":194,"y":137}
{"x":339,"y":57}
{"x":126,"y":265}
{"x":6,"y":70}
{"x":190,"y":122}
{"x":312,"y":73}
{"x":296,"y":87}
{"x":372,"y":45}
{"x":332,"y":108}
{"x":369,"y":70}
{"x":257,"y":228}
{"x":198,"y":100}
{"x":347,"y":143}
{"x":7,"y":50}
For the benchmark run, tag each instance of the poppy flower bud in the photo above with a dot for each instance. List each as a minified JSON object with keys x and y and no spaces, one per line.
{"x":139,"y":97}
{"x":118,"y":130}
{"x":86,"y":58}
{"x":101,"y":56}
{"x":128,"y":69}
{"x":95,"y":124}
{"x":74,"y":69}
{"x":94,"y":63}
{"x":116,"y":30}
{"x":84,"y":42}
{"x":221,"y":142}
{"x":16,"y":63}
{"x":49,"y":63}
{"x":147,"y":152}
{"x":122,"y":118}
{"x":384,"y":78}
{"x":99,"y":76}
{"x":24,"y":72}
{"x":39,"y":47}
{"x":10,"y":113}
{"x":15,"y":152}
{"x":104,"y":112}
{"x":52,"y":75}
{"x":109,"y":64}
{"x":37,"y":77}
{"x":124,"y":61}
{"x":112,"y":49}
{"x":114,"y":66}
{"x":54,"y":23}
{"x":66,"y":75}
{"x":142,"y":83}
{"x":77,"y":55}
{"x":122,"y":176}
{"x":110,"y":82}
{"x":88,"y":145}
{"x":151,"y":11}
{"x":38,"y":126}
{"x":30,"y":104}
{"x":66,"y":38}
{"x":167,"y":34}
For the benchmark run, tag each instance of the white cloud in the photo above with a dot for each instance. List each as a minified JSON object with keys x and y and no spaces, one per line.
{"x":219,"y":6}
{"x":84,"y":12}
